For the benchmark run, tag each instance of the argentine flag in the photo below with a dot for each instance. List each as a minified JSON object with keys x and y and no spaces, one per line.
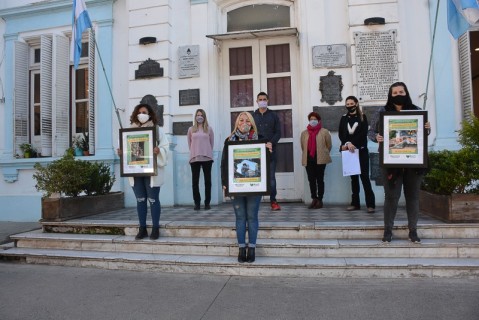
{"x":460,"y":15}
{"x":80,"y":22}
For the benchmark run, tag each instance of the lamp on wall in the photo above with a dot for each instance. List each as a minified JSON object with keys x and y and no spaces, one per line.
{"x":374,"y":20}
{"x":147,"y":40}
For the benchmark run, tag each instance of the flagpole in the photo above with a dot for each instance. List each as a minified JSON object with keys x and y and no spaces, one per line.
{"x":430,"y":56}
{"x":106,"y":78}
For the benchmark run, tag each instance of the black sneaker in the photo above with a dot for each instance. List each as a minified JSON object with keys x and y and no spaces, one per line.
{"x":388,"y":235}
{"x":413,"y":236}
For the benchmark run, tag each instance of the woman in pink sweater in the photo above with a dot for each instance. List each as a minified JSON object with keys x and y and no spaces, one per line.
{"x":200,"y":141}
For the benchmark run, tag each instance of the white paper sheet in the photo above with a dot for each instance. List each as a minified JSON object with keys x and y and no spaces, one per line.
{"x":350,"y":163}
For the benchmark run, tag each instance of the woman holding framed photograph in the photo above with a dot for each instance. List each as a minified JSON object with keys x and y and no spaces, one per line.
{"x":245,"y":207}
{"x":147,"y":188}
{"x":396,"y":179}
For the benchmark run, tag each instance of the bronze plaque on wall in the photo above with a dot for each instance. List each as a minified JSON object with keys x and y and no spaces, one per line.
{"x":189,"y":97}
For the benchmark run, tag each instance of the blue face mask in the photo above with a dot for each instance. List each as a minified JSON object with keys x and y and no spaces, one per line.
{"x":313,"y":123}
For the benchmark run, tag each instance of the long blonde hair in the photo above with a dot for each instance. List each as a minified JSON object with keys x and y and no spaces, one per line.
{"x":205,"y":122}
{"x":250,"y":118}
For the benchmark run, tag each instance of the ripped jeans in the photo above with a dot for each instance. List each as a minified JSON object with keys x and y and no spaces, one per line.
{"x":143,"y":193}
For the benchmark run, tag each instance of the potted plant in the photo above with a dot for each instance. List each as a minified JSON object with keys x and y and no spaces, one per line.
{"x":85,"y":145}
{"x":450,"y":190}
{"x":27,"y":150}
{"x":77,"y":145}
{"x":80,"y":188}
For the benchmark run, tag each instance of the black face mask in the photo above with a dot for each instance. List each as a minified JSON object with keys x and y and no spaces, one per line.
{"x":399,"y":100}
{"x":351,"y":109}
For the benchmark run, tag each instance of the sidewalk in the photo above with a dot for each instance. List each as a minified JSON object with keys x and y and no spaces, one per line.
{"x":8,"y":228}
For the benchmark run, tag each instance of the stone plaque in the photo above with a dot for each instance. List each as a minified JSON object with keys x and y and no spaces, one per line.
{"x":188,"y":61}
{"x":181,"y":128}
{"x":330,"y":56}
{"x":330,"y":87}
{"x":189,"y":97}
{"x":330,"y":116}
{"x":376,"y":64}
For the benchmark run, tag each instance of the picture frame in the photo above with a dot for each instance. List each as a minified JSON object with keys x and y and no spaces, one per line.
{"x":248,"y":164}
{"x":137,"y":158}
{"x":405,"y":139}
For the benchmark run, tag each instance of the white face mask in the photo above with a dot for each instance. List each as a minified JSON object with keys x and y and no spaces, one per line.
{"x":245,"y":128}
{"x":199,"y":119}
{"x":143,"y":117}
{"x":313,"y":123}
{"x":263,"y":104}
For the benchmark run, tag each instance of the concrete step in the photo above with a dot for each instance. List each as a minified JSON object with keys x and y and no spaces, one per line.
{"x":268,"y":230}
{"x":263,"y":266}
{"x":308,"y":248}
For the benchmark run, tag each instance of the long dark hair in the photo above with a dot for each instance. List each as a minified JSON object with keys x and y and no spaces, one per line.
{"x":151,"y":113}
{"x":390,"y":105}
{"x":358,"y":108}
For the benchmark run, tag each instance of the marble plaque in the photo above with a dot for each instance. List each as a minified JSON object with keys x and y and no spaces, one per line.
{"x":376,"y":64}
{"x":330,"y":56}
{"x":189,"y":97}
{"x":189,"y":61}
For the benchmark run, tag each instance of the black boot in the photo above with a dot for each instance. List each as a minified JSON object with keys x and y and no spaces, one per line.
{"x":155,"y":233}
{"x":242,"y":255}
{"x":388,"y":234}
{"x":251,"y":255}
{"x":142,"y":232}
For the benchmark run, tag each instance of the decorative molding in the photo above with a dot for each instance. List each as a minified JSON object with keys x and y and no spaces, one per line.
{"x":10,"y":175}
{"x":193,"y":2}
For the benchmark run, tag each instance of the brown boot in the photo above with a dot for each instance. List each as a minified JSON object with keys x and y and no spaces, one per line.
{"x":313,"y":204}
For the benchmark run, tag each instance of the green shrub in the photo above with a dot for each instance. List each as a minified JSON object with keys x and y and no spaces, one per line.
{"x":452,"y":172}
{"x":70,"y":177}
{"x":456,"y":171}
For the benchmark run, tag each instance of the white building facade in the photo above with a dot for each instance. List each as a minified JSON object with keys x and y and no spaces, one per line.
{"x":215,"y":55}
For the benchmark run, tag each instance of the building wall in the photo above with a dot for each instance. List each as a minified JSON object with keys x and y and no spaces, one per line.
{"x":178,"y":23}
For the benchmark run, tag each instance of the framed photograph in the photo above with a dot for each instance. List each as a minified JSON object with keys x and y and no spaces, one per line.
{"x":405,"y":139}
{"x":248,"y":168}
{"x":137,"y":158}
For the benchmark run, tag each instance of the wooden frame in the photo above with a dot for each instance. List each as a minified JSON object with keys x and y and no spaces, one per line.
{"x":405,"y":139}
{"x":137,"y":158}
{"x":248,"y":168}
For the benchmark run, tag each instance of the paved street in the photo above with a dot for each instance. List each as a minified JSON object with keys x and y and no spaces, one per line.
{"x":59,"y":293}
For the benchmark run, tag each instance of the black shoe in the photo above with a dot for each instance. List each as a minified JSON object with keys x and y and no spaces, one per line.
{"x":242,"y":255}
{"x":251,"y":255}
{"x":197,"y":206}
{"x":142,"y":232}
{"x":207,"y":207}
{"x":388,"y":234}
{"x":155,"y":233}
{"x":413,"y":236}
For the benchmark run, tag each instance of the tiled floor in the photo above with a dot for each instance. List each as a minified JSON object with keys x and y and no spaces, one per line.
{"x":290,"y":212}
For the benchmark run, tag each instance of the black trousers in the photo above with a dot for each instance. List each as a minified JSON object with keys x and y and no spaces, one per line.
{"x":368,"y":190}
{"x":316,"y":179}
{"x":195,"y":177}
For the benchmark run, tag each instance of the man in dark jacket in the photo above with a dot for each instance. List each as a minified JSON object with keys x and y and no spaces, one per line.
{"x":268,"y":125}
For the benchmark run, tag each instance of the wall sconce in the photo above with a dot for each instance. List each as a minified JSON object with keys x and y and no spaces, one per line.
{"x":374,"y":21}
{"x":147,"y":40}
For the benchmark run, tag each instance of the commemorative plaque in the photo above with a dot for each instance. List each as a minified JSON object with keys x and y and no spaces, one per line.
{"x":189,"y":97}
{"x":330,"y":87}
{"x":188,"y":61}
{"x":330,"y":56}
{"x":376,"y":64}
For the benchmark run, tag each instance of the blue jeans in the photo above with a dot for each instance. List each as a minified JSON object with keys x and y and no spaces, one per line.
{"x":142,"y":191}
{"x":246,"y":211}
{"x":272,"y":168}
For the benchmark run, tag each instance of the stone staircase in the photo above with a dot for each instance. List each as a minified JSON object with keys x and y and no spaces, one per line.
{"x":284,"y":249}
